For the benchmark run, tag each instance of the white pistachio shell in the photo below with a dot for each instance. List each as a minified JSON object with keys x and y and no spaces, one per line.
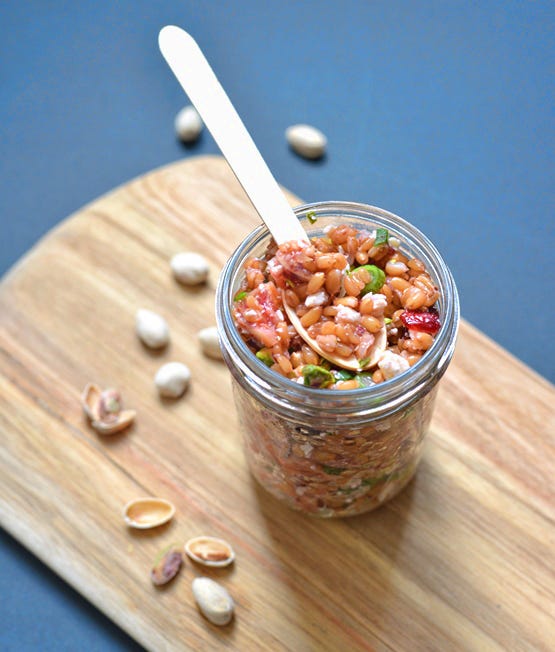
{"x":210,"y":342}
{"x":188,"y":124}
{"x":151,"y":328}
{"x":172,"y":379}
{"x":213,"y":600}
{"x":210,"y":551}
{"x":145,"y":513}
{"x":190,"y":268}
{"x":306,"y":140}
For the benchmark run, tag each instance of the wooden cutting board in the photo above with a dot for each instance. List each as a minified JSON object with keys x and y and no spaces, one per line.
{"x":463,"y":559}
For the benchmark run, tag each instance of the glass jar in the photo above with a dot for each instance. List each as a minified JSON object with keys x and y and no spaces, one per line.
{"x":336,"y":452}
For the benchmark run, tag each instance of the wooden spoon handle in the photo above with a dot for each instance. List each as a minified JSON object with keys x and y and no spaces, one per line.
{"x":198,"y":80}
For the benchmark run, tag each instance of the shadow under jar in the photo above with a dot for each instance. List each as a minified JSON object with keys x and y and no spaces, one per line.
{"x":333,"y":452}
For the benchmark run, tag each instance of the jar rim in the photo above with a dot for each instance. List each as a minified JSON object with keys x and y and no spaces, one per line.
{"x":279,"y":392}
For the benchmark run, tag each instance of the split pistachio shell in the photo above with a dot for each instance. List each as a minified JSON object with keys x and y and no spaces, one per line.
{"x":145,"y":513}
{"x":210,"y":551}
{"x":306,"y":140}
{"x":188,"y":124}
{"x":210,"y":342}
{"x":213,"y":600}
{"x":104,"y":409}
{"x":152,"y":328}
{"x":172,"y":379}
{"x":190,"y":268}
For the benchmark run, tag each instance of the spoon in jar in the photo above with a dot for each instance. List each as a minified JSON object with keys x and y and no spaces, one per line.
{"x":198,"y":80}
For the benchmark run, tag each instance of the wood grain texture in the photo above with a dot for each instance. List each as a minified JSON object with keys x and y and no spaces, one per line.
{"x":463,"y":559}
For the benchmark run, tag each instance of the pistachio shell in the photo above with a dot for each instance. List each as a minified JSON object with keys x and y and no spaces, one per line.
{"x":145,"y":513}
{"x":123,"y":419}
{"x":210,"y":551}
{"x":105,"y":418}
{"x":213,"y":600}
{"x":90,"y":400}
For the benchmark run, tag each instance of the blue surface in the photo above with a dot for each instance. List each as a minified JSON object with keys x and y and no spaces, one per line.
{"x":441,"y":112}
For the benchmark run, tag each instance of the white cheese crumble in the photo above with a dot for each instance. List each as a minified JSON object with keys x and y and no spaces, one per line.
{"x":392,"y":364}
{"x":316,"y":299}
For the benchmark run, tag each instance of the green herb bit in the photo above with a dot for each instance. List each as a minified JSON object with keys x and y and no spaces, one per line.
{"x":382,"y":237}
{"x":315,"y":376}
{"x":377,"y":278}
{"x":240,"y":295}
{"x":387,"y":320}
{"x":362,"y":363}
{"x":332,"y":470}
{"x":342,"y":374}
{"x":264,"y":356}
{"x":311,"y":217}
{"x":364,"y":379}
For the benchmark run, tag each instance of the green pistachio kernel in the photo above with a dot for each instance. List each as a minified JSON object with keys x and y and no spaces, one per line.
{"x":264,"y":356}
{"x":315,"y":376}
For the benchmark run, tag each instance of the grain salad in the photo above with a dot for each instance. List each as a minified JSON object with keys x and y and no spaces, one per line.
{"x":345,"y":286}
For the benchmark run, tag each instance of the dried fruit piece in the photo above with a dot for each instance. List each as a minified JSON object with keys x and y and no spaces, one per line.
{"x":426,"y":322}
{"x":213,"y":600}
{"x":105,"y":409}
{"x":145,"y":513}
{"x":166,"y":565}
{"x":210,"y":551}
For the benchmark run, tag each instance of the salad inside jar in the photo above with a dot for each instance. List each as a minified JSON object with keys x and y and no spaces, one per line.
{"x":346,"y":286}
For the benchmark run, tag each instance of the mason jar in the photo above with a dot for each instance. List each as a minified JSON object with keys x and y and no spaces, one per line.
{"x":336,"y":452}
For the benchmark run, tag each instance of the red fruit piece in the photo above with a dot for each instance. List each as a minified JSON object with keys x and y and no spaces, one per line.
{"x":425,"y":322}
{"x":261,"y":317}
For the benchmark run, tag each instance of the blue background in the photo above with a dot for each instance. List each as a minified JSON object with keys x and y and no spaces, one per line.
{"x":441,"y":112}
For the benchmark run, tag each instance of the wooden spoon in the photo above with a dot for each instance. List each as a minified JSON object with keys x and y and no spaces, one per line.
{"x":198,"y":80}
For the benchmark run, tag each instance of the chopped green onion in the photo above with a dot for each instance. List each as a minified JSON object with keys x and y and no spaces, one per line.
{"x":364,"y":379}
{"x":342,"y":374}
{"x":331,"y":470}
{"x":362,"y":363}
{"x":315,"y":376}
{"x":240,"y":295}
{"x":311,"y":217}
{"x":387,"y":320}
{"x":382,"y":237}
{"x":265,"y":357}
{"x":377,"y":278}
